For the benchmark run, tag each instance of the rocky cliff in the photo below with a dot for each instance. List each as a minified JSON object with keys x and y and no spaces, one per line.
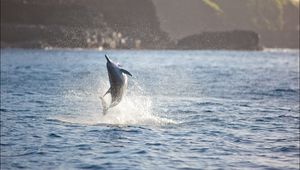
{"x":81,"y":24}
{"x":276,"y":21}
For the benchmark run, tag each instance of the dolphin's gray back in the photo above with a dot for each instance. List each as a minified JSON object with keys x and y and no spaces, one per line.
{"x":118,"y":84}
{"x":117,"y":91}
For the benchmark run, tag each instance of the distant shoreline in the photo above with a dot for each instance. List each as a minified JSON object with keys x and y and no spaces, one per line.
{"x":40,"y":37}
{"x":108,"y":50}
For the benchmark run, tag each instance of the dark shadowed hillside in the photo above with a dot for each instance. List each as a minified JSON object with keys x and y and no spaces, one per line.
{"x":77,"y":23}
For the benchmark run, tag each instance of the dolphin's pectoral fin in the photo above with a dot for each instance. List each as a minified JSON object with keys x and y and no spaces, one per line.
{"x":108,"y":91}
{"x":125,"y":71}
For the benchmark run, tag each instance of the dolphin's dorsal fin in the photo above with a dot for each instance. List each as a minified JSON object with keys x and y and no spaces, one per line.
{"x":125,"y":71}
{"x":108,"y":91}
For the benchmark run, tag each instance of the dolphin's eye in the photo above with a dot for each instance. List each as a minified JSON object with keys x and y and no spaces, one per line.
{"x":119,"y":65}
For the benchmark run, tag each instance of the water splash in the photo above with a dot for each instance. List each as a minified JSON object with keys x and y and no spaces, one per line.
{"x":134,"y":109}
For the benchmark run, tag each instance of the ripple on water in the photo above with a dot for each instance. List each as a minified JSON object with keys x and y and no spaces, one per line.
{"x":89,"y":166}
{"x":53,"y":135}
{"x":84,"y":147}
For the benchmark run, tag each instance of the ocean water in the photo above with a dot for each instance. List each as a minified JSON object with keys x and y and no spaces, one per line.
{"x":182,"y":110}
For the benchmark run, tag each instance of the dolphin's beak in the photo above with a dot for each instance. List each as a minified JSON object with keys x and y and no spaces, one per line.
{"x":107,"y":58}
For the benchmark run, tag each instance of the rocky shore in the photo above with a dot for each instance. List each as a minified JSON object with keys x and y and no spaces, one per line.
{"x":229,"y":40}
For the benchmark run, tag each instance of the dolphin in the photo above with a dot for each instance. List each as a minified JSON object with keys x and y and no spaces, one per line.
{"x":118,"y":84}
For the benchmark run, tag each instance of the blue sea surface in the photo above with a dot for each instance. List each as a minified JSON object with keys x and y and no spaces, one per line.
{"x":182,"y":110}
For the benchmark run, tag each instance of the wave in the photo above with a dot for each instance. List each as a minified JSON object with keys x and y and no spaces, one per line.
{"x":284,"y":50}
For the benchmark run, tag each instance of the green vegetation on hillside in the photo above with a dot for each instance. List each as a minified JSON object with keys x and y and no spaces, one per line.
{"x":262,"y":15}
{"x":213,"y":5}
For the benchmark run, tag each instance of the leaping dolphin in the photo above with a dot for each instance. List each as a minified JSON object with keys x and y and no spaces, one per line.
{"x":118,"y":84}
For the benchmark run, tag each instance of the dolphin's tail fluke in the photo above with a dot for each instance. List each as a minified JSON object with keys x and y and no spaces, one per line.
{"x":104,"y":105}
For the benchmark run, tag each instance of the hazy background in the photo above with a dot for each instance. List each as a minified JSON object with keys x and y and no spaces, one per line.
{"x":150,"y":24}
